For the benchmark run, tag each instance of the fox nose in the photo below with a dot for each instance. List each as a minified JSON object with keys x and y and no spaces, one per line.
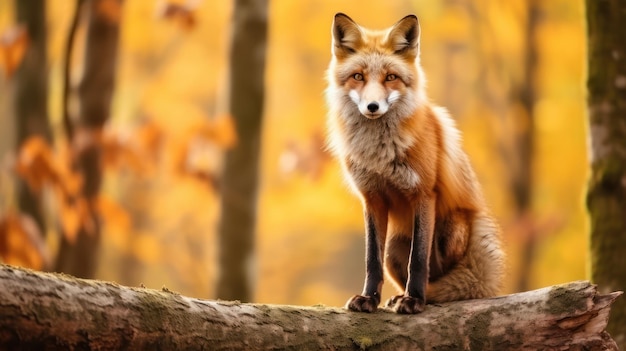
{"x":372,"y":107}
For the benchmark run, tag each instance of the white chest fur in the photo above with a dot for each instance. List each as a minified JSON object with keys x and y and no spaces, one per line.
{"x":375,"y":148}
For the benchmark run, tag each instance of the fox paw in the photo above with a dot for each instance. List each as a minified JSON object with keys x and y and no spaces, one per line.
{"x":360,"y":303}
{"x":406,"y":304}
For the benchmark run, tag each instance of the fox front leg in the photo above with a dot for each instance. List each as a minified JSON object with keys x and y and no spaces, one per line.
{"x":375,"y":230}
{"x":414,"y":298}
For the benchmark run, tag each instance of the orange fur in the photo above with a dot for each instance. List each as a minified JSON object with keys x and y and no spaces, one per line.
{"x":402,"y":155}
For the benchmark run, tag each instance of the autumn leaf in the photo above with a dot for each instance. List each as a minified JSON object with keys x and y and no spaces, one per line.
{"x":71,"y":182}
{"x":138,"y":150}
{"x":182,"y":14}
{"x":111,"y":10}
{"x":21,"y":242}
{"x":76,"y":214}
{"x":69,"y":216}
{"x":222,"y":131}
{"x":36,"y":163}
{"x":200,"y":155}
{"x":206,"y":177}
{"x":309,"y":159}
{"x":149,"y":139}
{"x":39,"y":165}
{"x":13,"y":44}
{"x":199,"y":159}
{"x":117,"y":152}
{"x":114,"y":217}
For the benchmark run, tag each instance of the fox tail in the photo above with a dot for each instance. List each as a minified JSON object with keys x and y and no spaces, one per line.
{"x":478,"y":274}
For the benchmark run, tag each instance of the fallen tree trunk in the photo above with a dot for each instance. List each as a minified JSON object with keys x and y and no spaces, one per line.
{"x":55,"y":311}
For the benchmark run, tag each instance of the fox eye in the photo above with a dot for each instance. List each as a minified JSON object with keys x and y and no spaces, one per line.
{"x":391,"y":77}
{"x":357,"y":76}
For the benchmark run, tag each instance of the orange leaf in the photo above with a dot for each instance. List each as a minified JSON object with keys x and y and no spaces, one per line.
{"x":13,"y":44}
{"x":21,"y":242}
{"x":74,"y":215}
{"x":111,"y":10}
{"x":201,"y":154}
{"x":71,"y":183}
{"x":113,"y":216}
{"x":149,"y":138}
{"x":309,"y":160}
{"x":36,"y":164}
{"x":139,"y":151}
{"x":221,"y":131}
{"x":181,"y":14}
{"x":206,"y":177}
{"x":180,"y":150}
{"x":117,"y":152}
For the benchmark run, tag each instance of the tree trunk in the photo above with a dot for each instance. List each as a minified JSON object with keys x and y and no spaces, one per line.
{"x":95,"y":92}
{"x":31,"y":95}
{"x":240,"y":177}
{"x":49,"y":311}
{"x":522,"y":182}
{"x":606,"y":198}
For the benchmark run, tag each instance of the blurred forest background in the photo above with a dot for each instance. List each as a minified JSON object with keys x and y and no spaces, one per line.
{"x":510,"y":72}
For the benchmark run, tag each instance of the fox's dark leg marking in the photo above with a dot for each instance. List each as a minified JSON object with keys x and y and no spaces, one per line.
{"x":370,"y":298}
{"x":414,"y":298}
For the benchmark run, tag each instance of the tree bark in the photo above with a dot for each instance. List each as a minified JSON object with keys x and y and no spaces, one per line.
{"x":240,"y":177}
{"x":606,"y":198}
{"x":95,"y":93}
{"x":31,"y":95}
{"x":52,"y":311}
{"x":522,"y":182}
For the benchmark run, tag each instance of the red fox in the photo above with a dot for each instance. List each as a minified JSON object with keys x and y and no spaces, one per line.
{"x":426,"y":221}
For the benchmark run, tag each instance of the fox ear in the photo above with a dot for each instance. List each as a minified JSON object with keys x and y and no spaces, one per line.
{"x":346,"y":35}
{"x":404,"y":36}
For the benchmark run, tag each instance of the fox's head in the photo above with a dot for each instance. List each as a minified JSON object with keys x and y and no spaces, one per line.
{"x":377,"y":71}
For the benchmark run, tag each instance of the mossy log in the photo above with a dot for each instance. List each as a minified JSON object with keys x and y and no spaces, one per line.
{"x":606,"y":191}
{"x":55,"y":311}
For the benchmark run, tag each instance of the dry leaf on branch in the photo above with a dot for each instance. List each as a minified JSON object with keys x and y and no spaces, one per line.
{"x":113,"y":215}
{"x":182,"y":14}
{"x":149,"y":139}
{"x":36,"y":163}
{"x":308,"y":160}
{"x":111,"y":10}
{"x":76,"y":213}
{"x":139,"y":150}
{"x":220,"y":130}
{"x":21,"y":242}
{"x":13,"y":44}
{"x":201,"y":154}
{"x":39,"y":165}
